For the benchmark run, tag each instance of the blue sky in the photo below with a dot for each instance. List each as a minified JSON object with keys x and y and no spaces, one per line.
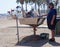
{"x":6,"y":5}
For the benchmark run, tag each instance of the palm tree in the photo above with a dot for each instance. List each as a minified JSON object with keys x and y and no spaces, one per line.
{"x":17,"y":1}
{"x":38,"y":3}
{"x":56,"y":2}
{"x":26,"y":1}
{"x":20,"y":1}
{"x":34,"y":1}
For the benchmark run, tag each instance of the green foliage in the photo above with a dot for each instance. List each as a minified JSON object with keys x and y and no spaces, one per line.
{"x":26,"y":1}
{"x":34,"y":1}
{"x":20,"y":1}
{"x":17,"y":1}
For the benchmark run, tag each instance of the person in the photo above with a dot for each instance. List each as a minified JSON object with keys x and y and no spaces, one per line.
{"x":8,"y":14}
{"x":36,"y":14}
{"x":30,"y":13}
{"x":51,"y":20}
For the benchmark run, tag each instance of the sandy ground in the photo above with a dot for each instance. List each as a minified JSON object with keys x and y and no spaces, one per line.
{"x":8,"y":35}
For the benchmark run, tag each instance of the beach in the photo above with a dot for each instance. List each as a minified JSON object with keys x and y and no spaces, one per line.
{"x":8,"y":35}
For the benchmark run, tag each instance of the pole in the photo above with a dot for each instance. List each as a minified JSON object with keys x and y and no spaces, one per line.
{"x":17,"y":23}
{"x":17,"y":29}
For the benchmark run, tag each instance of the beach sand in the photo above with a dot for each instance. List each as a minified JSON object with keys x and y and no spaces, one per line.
{"x":8,"y":35}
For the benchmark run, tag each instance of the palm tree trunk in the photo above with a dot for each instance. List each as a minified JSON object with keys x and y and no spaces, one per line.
{"x":22,"y":6}
{"x":22,"y":10}
{"x":26,"y":6}
{"x":39,"y":9}
{"x":44,"y":7}
{"x":35,"y":5}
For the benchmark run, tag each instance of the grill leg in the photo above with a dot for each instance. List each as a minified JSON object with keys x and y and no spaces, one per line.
{"x":34,"y":29}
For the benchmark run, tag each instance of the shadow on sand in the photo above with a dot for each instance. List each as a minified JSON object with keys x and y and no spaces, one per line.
{"x":54,"y":43}
{"x":32,"y":41}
